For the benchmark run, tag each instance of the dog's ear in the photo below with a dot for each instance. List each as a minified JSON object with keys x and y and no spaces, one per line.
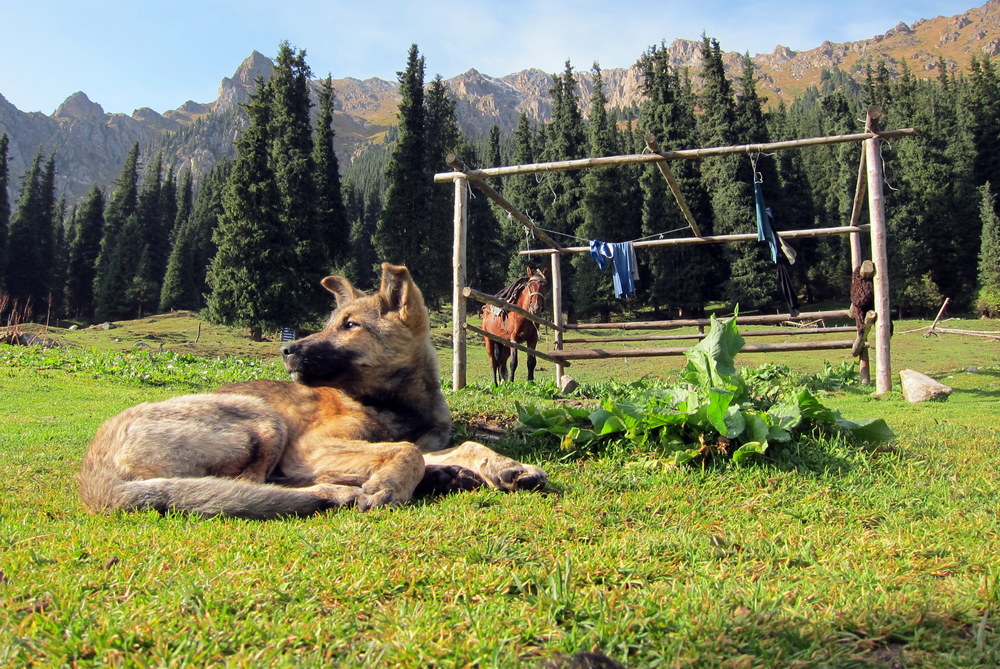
{"x":341,"y":289}
{"x":401,"y":295}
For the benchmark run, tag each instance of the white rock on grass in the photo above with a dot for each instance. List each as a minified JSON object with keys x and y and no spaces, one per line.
{"x":919,"y":387}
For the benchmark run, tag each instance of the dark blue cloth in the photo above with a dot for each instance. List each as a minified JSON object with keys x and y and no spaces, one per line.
{"x":625,"y":270}
{"x":601,"y":252}
{"x":765,"y":232}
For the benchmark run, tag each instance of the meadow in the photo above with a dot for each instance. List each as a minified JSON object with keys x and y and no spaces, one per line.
{"x":824,"y":552}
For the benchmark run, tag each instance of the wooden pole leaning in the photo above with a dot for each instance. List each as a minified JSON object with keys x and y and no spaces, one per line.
{"x":672,"y":183}
{"x":513,"y":344}
{"x":859,"y":198}
{"x":880,"y":257}
{"x":507,"y":306}
{"x":488,"y":190}
{"x":458,"y":305}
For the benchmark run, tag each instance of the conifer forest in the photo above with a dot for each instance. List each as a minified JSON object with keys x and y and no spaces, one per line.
{"x":247,"y":243}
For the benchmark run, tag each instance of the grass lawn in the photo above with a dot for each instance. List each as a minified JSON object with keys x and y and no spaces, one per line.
{"x":831,"y":555}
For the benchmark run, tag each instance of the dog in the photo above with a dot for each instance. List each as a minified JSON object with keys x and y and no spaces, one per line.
{"x":363,"y":423}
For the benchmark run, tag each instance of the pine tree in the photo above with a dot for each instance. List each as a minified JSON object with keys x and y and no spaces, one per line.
{"x":486,"y":260}
{"x":363,"y":213}
{"x":561,"y":193}
{"x":30,"y":244}
{"x":291,"y":159}
{"x":191,"y":248}
{"x":727,"y":180}
{"x":252,"y":276}
{"x":401,"y":232}
{"x":145,"y":243}
{"x":113,"y":267}
{"x":4,"y":205}
{"x":83,"y":251}
{"x":443,"y":137}
{"x":603,"y":209}
{"x":988,"y":302}
{"x":330,"y":214}
{"x":678,"y":278}
{"x":522,"y":191}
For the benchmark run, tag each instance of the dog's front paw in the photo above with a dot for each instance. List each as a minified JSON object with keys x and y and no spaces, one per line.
{"x":518,"y":476}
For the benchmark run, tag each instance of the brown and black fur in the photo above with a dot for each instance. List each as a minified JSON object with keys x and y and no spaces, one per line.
{"x":363,"y":423}
{"x":862,"y":302}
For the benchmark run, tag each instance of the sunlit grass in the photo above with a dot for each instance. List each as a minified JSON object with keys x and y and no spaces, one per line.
{"x":842,"y":556}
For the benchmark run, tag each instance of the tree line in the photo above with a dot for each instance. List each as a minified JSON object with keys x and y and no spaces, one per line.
{"x":251,"y":245}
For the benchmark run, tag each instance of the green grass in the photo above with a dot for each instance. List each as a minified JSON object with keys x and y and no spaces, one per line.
{"x":829,"y":556}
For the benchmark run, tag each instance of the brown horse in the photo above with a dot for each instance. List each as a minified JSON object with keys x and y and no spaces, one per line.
{"x":528,"y":292}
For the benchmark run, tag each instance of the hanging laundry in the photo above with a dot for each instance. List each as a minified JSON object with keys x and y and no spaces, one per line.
{"x":765,"y":232}
{"x":601,"y":252}
{"x":625,"y":267}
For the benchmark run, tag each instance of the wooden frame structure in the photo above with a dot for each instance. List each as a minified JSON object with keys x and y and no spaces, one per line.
{"x":870,"y":178}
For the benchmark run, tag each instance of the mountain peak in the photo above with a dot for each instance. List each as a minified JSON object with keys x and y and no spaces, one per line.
{"x":79,"y":107}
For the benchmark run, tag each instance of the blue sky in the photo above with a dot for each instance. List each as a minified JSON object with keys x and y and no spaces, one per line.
{"x":126,"y":54}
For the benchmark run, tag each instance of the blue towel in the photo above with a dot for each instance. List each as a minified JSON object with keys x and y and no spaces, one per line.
{"x":626,"y":269}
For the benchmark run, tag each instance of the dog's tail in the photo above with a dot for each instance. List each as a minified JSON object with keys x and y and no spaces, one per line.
{"x":102,"y":491}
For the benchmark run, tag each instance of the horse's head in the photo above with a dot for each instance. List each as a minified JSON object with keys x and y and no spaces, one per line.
{"x":533,"y":294}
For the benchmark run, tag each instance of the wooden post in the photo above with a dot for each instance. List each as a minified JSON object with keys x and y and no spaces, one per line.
{"x":557,"y":316}
{"x":458,"y":305}
{"x":876,"y":215}
{"x":859,"y":196}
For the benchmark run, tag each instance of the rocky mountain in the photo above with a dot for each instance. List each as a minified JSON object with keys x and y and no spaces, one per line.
{"x":90,"y":145}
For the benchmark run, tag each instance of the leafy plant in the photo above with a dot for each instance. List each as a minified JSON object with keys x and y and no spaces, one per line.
{"x":715,"y":413}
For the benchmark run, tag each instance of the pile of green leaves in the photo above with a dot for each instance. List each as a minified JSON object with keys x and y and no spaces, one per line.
{"x":714,"y":413}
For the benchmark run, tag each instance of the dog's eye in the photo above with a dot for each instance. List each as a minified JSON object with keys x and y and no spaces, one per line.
{"x":350,"y":325}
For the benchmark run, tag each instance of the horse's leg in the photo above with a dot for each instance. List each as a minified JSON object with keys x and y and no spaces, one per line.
{"x":513,"y":362}
{"x":531,"y":341}
{"x":504,"y":353}
{"x":492,"y":358}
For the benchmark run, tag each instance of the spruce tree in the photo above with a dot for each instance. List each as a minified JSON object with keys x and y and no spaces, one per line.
{"x":4,"y":205}
{"x":252,"y":276}
{"x":678,"y":278}
{"x":521,"y":190}
{"x":727,"y":180}
{"x":291,"y":159}
{"x":603,"y":209}
{"x":443,"y":138}
{"x":561,"y":193}
{"x":988,"y":302}
{"x":401,"y":233}
{"x":83,"y":252}
{"x":30,"y":244}
{"x":487,"y":253}
{"x":113,"y":267}
{"x":191,"y":248}
{"x":145,"y":243}
{"x":330,"y":214}
{"x":363,"y":213}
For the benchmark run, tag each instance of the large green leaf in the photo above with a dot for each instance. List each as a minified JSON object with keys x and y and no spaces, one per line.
{"x":869,"y":430}
{"x":711,"y":362}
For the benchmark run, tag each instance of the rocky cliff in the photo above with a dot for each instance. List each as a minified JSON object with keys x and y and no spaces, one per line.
{"x":90,"y":145}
